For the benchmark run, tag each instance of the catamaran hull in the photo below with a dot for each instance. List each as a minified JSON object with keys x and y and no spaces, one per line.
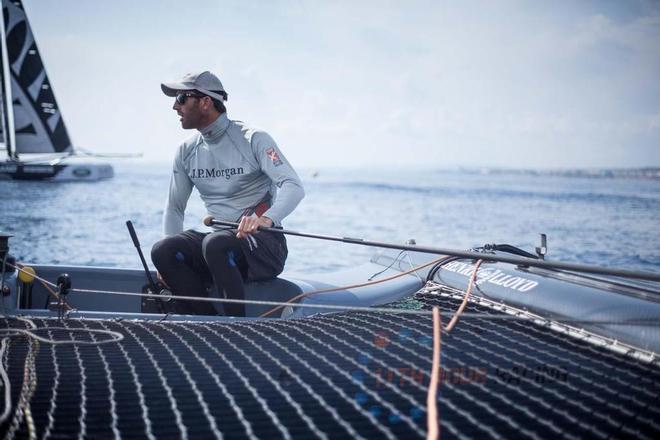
{"x":93,"y":287}
{"x":618,"y":311}
{"x":58,"y":172}
{"x":31,"y":122}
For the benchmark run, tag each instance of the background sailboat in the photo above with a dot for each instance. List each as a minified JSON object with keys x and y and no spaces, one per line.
{"x":34,"y":134}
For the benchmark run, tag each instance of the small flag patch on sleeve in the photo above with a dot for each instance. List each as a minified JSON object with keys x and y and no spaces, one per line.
{"x":273,"y":156}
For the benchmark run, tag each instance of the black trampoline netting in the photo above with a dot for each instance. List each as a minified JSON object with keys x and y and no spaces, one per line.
{"x":351,"y":374}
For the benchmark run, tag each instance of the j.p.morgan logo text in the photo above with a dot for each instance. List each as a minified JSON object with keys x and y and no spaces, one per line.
{"x":492,"y":276}
{"x":212,"y":173}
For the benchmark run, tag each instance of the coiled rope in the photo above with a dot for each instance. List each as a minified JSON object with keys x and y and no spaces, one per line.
{"x":29,"y":381}
{"x":23,"y":410}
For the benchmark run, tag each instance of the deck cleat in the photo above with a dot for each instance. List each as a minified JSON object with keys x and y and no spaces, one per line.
{"x":543,"y":249}
{"x":64,"y":287}
{"x":64,"y":284}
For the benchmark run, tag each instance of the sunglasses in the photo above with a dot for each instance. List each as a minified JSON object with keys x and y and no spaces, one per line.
{"x":182,"y":97}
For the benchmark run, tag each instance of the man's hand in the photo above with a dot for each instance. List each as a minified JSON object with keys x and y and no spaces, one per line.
{"x":159,"y":278}
{"x":249,"y":225}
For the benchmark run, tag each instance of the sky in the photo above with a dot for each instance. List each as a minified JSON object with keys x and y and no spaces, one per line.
{"x":505,"y":84}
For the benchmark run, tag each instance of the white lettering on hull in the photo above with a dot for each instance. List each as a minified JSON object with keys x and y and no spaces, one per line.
{"x":492,"y":276}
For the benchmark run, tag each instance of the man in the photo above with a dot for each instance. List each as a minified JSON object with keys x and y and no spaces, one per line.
{"x":242,"y":176}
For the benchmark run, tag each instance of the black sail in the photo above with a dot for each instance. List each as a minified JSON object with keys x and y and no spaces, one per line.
{"x":38,"y":122}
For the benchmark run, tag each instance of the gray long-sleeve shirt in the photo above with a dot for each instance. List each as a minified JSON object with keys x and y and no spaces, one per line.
{"x":235,"y":169}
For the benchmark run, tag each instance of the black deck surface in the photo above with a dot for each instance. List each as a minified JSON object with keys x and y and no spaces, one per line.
{"x":347,"y":375}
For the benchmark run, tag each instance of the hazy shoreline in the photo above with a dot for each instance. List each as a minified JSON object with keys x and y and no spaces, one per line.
{"x":652,"y":173}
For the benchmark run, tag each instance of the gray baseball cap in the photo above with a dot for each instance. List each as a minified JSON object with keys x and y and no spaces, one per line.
{"x":204,"y":82}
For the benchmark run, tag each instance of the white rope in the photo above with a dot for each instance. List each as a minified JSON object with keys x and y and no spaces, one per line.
{"x":23,"y":405}
{"x":234,"y":301}
{"x":521,"y":316}
{"x":430,"y":288}
{"x":117,"y":337}
{"x":265,"y":303}
{"x":23,"y":409}
{"x":5,"y":382}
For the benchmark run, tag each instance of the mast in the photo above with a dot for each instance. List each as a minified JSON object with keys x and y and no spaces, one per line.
{"x":5,"y":89}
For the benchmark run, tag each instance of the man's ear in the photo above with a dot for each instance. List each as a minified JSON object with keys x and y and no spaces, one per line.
{"x":206,"y":104}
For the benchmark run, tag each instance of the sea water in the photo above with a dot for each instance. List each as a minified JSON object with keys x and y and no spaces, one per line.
{"x":612,"y":222}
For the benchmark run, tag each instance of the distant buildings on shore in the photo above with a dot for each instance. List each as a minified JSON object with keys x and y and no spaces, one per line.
{"x":600,"y":173}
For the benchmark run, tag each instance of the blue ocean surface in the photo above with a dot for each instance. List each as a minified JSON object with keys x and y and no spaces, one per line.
{"x":612,"y":222}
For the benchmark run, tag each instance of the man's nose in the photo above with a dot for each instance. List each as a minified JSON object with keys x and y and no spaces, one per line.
{"x":176,"y":105}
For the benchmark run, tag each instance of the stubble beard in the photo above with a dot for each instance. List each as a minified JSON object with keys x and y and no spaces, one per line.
{"x":189,"y":121}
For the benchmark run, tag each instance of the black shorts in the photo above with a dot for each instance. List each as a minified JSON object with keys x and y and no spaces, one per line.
{"x":264,"y":253}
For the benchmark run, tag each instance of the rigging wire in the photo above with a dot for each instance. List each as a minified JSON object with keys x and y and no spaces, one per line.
{"x":354,"y":286}
{"x":394,"y":260}
{"x":279,"y":304}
